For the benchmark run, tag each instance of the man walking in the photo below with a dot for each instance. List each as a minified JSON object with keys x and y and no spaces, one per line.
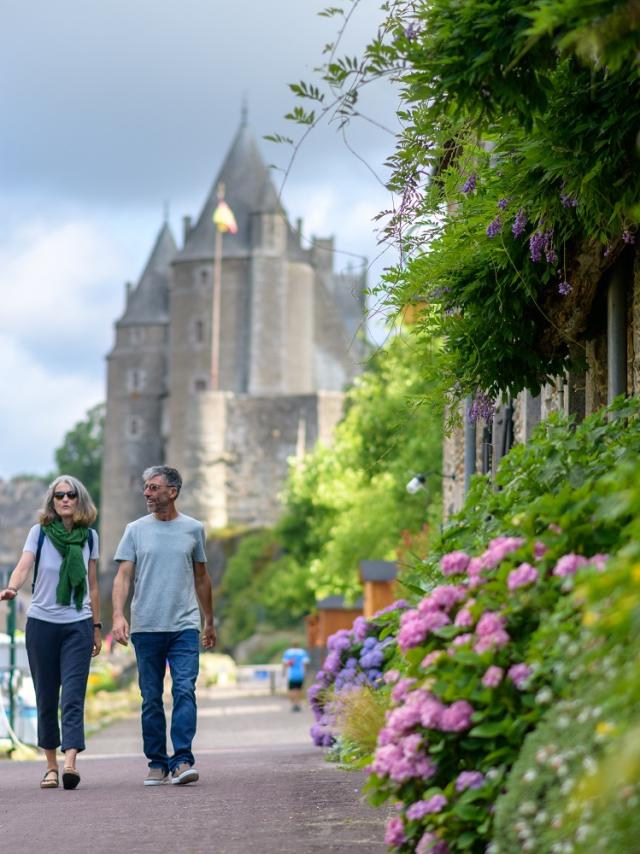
{"x":295,"y":660}
{"x":163,"y":554}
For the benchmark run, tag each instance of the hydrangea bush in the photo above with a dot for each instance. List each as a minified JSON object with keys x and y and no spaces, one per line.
{"x":473,"y":686}
{"x":356,"y":658}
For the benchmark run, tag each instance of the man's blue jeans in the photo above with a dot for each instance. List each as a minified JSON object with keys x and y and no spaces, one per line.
{"x":154,"y":650}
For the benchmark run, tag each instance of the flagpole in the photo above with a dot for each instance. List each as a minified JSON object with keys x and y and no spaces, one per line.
{"x":216,"y":301}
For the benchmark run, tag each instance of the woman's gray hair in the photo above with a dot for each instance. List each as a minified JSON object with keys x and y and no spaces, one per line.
{"x":171,"y":476}
{"x":85,"y":508}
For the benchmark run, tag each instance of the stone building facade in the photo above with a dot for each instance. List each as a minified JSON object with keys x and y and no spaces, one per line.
{"x":609,"y":339}
{"x":289,"y":344}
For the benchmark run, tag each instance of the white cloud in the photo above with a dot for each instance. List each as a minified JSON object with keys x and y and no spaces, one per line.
{"x":39,"y":407}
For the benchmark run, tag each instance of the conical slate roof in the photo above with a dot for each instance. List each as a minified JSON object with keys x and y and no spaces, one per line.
{"x":248,"y":189}
{"x":149,"y":301}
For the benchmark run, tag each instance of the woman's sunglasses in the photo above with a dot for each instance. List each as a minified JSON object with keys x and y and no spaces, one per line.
{"x":61,"y":495}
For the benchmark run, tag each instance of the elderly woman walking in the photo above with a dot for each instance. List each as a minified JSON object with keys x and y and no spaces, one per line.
{"x":63,"y":621}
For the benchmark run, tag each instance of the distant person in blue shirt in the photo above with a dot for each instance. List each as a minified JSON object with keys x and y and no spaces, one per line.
{"x":295,"y":659}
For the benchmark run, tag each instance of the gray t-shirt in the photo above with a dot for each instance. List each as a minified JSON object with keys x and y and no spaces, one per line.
{"x":43,"y":604}
{"x":164,"y":597}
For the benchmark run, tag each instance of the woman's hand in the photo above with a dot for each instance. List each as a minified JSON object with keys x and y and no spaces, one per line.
{"x":8,"y":593}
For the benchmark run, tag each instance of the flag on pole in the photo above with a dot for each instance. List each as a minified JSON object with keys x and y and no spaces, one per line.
{"x":223,"y":218}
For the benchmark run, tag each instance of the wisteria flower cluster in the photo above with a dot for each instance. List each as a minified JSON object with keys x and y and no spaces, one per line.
{"x":467,"y":686}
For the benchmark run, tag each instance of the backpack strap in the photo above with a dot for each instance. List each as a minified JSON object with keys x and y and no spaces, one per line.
{"x":41,"y":537}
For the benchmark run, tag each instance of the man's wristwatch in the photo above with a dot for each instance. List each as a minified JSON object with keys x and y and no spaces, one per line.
{"x":97,"y":625}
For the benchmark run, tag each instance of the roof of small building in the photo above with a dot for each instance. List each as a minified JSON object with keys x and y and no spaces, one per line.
{"x":248,"y":189}
{"x":378,"y":570}
{"x":337,"y":603}
{"x":149,"y":300}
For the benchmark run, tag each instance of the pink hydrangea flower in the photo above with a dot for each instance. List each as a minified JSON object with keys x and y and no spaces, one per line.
{"x":519,"y":675}
{"x":394,"y":833}
{"x":539,"y":550}
{"x":391,"y":676}
{"x":499,"y":548}
{"x":401,"y":689}
{"x":569,"y":564}
{"x":464,"y":618}
{"x":431,"y":658}
{"x":469,"y":780}
{"x":494,"y":641}
{"x":599,"y":561}
{"x":493,"y":676}
{"x":522,"y":576}
{"x":447,"y":595}
{"x":431,"y":710}
{"x":431,"y":844}
{"x":461,"y":640}
{"x":414,"y":627}
{"x":418,"y":810}
{"x":489,"y":623}
{"x":454,"y":563}
{"x":456,"y":718}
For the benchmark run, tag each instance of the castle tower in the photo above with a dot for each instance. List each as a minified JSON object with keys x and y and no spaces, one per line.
{"x":136,"y":388}
{"x":287,"y":350}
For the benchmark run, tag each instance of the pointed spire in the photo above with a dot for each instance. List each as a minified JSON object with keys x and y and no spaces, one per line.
{"x":244,"y":111}
{"x":148,"y":302}
{"x":248,"y":190}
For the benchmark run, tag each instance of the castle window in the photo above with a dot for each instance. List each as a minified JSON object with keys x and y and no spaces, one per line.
{"x":135,"y":336}
{"x":198,"y":331}
{"x":200,"y":384}
{"x":136,"y":379}
{"x":134,"y":427}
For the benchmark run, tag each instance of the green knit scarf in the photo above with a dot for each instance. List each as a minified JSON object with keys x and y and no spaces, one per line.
{"x":73,"y":572}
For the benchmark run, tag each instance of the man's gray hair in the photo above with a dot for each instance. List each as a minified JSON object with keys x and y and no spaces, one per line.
{"x":171,"y":476}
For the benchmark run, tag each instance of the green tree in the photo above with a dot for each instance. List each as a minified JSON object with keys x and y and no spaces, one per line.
{"x":81,"y":451}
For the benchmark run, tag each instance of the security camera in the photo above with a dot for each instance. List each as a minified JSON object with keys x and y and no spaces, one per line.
{"x":416,"y":483}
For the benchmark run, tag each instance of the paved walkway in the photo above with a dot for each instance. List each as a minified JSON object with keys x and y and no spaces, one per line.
{"x":264,"y":789}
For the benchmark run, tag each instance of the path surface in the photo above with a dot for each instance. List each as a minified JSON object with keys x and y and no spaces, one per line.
{"x":263,"y":790}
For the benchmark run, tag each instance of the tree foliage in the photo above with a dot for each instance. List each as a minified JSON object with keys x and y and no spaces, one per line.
{"x":349,"y":502}
{"x":80,"y":453}
{"x":515,"y":173}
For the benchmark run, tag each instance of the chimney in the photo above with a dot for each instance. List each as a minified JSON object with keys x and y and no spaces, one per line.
{"x":186,"y":228}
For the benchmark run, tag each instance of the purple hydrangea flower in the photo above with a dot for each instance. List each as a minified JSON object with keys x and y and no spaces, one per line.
{"x":418,"y":810}
{"x":628,"y":236}
{"x":394,"y":833}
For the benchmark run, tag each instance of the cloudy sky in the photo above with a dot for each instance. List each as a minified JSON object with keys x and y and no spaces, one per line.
{"x":113,"y":109}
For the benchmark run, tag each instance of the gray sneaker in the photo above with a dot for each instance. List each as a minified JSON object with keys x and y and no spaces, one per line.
{"x":156,"y":777}
{"x":184,"y":773}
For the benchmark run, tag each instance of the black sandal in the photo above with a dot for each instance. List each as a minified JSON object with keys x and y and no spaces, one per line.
{"x":70,"y":778}
{"x":49,"y":783}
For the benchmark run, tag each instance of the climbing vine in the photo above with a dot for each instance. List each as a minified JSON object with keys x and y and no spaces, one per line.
{"x":515,"y":176}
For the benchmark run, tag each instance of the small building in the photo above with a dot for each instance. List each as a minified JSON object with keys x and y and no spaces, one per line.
{"x":333,"y":615}
{"x":378,"y":579}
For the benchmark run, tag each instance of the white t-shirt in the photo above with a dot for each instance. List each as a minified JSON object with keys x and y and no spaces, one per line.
{"x":43,"y":604}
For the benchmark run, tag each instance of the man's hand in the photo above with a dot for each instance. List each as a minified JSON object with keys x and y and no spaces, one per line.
{"x":120,"y":629}
{"x":7,"y":593}
{"x":209,"y":637}
{"x":97,"y":643}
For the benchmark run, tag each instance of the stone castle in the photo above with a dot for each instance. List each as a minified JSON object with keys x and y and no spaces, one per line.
{"x":289,"y":342}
